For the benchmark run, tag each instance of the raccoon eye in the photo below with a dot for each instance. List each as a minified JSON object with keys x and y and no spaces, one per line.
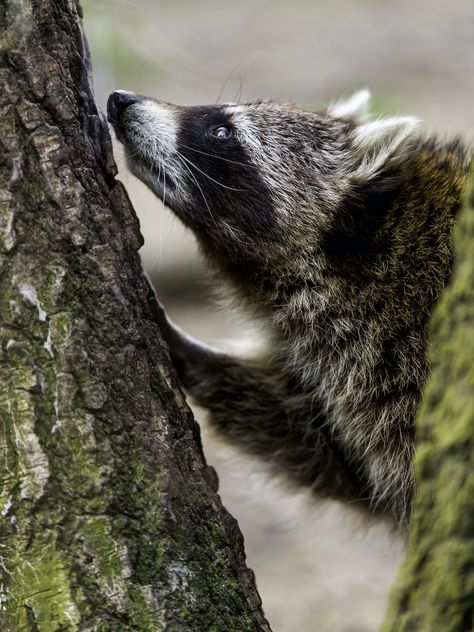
{"x":223,"y":132}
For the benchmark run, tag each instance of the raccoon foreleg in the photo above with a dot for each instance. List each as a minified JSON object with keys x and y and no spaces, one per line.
{"x":252,"y":405}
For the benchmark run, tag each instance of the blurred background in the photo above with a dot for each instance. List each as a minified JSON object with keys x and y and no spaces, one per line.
{"x":319,"y":568}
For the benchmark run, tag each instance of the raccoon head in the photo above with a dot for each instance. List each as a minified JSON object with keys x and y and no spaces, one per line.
{"x":262,"y":183}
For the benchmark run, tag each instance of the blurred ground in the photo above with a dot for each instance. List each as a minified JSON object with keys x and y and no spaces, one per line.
{"x":318,"y":568}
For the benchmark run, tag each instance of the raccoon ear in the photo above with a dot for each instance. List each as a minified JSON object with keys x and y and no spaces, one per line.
{"x":356,"y":106}
{"x":381,"y":144}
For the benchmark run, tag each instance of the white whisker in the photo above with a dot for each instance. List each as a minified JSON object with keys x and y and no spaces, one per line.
{"x":200,"y":189}
{"x":206,"y":175}
{"x":162,"y":164}
{"x":205,"y":153}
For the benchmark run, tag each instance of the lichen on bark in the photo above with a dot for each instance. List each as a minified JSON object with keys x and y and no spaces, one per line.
{"x":109,"y":516}
{"x":435,"y":588}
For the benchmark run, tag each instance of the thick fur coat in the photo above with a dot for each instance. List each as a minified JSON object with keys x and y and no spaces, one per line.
{"x":334,"y":232}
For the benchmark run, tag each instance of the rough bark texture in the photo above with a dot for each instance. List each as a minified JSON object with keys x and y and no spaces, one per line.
{"x":435,"y":588}
{"x":109,"y":517}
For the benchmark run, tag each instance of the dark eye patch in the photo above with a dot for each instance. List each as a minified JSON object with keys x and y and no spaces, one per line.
{"x":221,"y":171}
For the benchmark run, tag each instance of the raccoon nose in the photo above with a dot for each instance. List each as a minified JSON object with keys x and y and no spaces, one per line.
{"x":118,"y":102}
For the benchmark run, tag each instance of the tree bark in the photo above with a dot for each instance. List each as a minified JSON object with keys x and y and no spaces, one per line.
{"x":109,"y":516}
{"x":435,"y":588}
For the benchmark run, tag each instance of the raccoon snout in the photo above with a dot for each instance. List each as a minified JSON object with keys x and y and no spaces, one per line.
{"x":118,"y":102}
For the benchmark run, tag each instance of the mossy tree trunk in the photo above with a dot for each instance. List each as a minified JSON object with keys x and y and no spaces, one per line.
{"x":109,"y":517}
{"x":435,"y":588}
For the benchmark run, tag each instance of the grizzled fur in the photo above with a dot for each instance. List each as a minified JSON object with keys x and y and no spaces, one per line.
{"x":334,"y":231}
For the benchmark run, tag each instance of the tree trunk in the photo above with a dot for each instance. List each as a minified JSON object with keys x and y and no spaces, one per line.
{"x":109,"y":517}
{"x":435,"y":588}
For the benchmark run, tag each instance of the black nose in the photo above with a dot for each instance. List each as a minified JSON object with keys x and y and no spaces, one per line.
{"x":118,"y":102}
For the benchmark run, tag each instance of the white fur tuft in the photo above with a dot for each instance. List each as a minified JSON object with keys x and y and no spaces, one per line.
{"x":159,"y":124}
{"x":382,"y":141}
{"x":356,"y":106}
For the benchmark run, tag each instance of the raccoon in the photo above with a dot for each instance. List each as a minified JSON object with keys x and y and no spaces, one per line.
{"x":333,"y":230}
